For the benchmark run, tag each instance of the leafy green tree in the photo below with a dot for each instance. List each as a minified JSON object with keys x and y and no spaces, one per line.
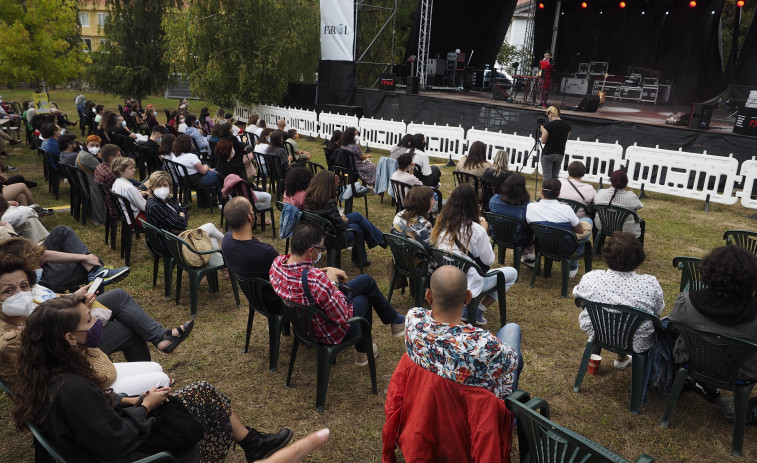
{"x":243,"y":50}
{"x":40,"y":42}
{"x":131,"y":62}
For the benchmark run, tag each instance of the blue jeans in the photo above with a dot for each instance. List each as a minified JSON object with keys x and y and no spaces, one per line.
{"x":510,"y":335}
{"x":371,"y":235}
{"x":366,"y":295}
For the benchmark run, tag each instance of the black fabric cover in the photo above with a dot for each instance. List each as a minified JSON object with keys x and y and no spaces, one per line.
{"x":477,"y":26}
{"x":684,"y":44}
{"x":337,"y":82}
{"x":420,"y":109}
{"x":745,"y":78}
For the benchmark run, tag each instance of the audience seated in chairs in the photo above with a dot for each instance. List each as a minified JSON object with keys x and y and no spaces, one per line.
{"x":104,"y":175}
{"x":617,"y":195}
{"x":574,"y":189}
{"x":428,"y":174}
{"x":551,"y":212}
{"x":245,"y":256}
{"x":197,"y":136}
{"x":513,"y":201}
{"x":465,"y":368}
{"x":124,"y":170}
{"x":475,"y":161}
{"x":296,"y":183}
{"x":460,"y":229}
{"x":413,"y":221}
{"x":322,"y":290}
{"x":405,"y":143}
{"x":362,"y":162}
{"x":86,"y":422}
{"x":50,"y":132}
{"x":405,"y":169}
{"x":152,"y":147}
{"x":230,"y":161}
{"x":726,"y":306}
{"x":301,"y":155}
{"x":621,"y":285}
{"x":321,"y":199}
{"x":69,"y":149}
{"x":498,"y":172}
{"x":200,"y":176}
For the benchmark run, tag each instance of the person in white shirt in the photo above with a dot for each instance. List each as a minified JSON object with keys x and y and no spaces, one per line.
{"x":196,"y":170}
{"x":574,"y":189}
{"x":404,"y":172}
{"x":460,"y":229}
{"x":124,"y":169}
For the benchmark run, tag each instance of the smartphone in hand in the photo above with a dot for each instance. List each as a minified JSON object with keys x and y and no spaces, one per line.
{"x":95,"y":286}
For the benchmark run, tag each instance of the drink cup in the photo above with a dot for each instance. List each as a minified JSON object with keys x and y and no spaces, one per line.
{"x":594,"y":362}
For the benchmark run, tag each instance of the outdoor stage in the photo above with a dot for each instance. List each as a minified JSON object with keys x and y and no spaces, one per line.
{"x":623,"y":122}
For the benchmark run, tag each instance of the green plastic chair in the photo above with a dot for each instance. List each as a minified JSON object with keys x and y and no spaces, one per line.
{"x":153,"y":235}
{"x":301,"y":317}
{"x":612,"y":219}
{"x":335,"y":242}
{"x":541,"y":440}
{"x":347,"y":179}
{"x":277,"y":323}
{"x":196,"y":274}
{"x":6,"y":389}
{"x":464,"y":263}
{"x":577,"y":206}
{"x":742,"y":238}
{"x":406,"y":253}
{"x":690,"y":278}
{"x":40,"y":438}
{"x":715,"y":359}
{"x":548,"y":245}
{"x":503,"y":230}
{"x":614,"y":329}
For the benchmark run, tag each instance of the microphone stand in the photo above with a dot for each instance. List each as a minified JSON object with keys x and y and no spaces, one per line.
{"x":562,"y":103}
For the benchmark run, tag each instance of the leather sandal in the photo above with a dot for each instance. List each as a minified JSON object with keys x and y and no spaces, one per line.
{"x":183,"y":330}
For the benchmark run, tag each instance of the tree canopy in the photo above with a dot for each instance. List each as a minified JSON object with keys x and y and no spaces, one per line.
{"x":243,"y":50}
{"x":41,"y":42}
{"x":131,"y":62}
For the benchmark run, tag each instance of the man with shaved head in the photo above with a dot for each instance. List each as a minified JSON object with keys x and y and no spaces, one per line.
{"x":437,"y":340}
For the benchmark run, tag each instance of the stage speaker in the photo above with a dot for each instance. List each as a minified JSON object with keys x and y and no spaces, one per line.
{"x":700,"y":116}
{"x":413,"y":82}
{"x":589,"y":104}
{"x":499,"y":93}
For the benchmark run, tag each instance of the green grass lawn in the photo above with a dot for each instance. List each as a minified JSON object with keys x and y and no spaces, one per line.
{"x":552,"y":341}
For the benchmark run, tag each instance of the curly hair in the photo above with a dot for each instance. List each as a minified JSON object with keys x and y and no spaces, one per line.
{"x":45,"y":356}
{"x":730,"y":271}
{"x":321,"y":189}
{"x":24,"y":249}
{"x":297,"y":179}
{"x":455,"y":221}
{"x":623,"y":252}
{"x":223,"y":150}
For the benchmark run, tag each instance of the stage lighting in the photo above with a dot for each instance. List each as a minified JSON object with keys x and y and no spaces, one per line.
{"x":740,"y":3}
{"x":693,"y":3}
{"x":584,"y":5}
{"x":622,"y":4}
{"x":541,"y":6}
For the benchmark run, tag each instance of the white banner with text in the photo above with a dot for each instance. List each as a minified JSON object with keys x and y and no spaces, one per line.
{"x":337,"y":30}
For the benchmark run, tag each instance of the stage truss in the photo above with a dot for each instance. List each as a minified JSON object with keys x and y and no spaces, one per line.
{"x":389,"y":16}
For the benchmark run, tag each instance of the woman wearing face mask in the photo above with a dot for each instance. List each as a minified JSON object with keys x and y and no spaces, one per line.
{"x":351,"y":142}
{"x":87,"y":161}
{"x":121,"y":129}
{"x":59,"y":392}
{"x":151,"y":116}
{"x":130,"y":378}
{"x":126,"y":331}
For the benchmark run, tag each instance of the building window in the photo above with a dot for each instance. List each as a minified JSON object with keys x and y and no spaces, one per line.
{"x":84,"y":19}
{"x":87,"y":44}
{"x":103,"y":41}
{"x":101,"y":17}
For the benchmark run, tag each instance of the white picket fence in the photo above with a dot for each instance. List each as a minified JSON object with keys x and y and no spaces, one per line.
{"x":677,"y":173}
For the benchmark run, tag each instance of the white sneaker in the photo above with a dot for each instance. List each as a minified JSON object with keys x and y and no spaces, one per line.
{"x":624,"y":364}
{"x":528,"y":260}
{"x":573,"y":273}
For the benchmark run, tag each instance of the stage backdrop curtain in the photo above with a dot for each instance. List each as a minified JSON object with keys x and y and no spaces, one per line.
{"x":745,"y":77}
{"x":681,"y":42}
{"x":473,"y":26}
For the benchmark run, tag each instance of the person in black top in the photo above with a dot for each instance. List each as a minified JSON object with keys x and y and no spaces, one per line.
{"x":245,"y":256}
{"x":554,"y":135}
{"x":229,"y":161}
{"x":153,"y":147}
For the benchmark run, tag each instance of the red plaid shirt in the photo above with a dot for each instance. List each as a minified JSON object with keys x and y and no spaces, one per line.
{"x":104,"y":175}
{"x":287,"y":282}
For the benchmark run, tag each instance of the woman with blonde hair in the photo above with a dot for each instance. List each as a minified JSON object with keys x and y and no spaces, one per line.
{"x":499,"y":171}
{"x":554,"y":136}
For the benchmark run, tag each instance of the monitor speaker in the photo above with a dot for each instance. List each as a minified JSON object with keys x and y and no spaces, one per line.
{"x":589,"y":104}
{"x":413,"y":84}
{"x":700,"y":116}
{"x":500,"y":94}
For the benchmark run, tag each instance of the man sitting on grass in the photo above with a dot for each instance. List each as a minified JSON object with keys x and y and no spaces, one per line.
{"x":321,"y":290}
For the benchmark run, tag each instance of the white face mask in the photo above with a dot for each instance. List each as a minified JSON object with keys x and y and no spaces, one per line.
{"x":235,"y":130}
{"x":317,"y":258}
{"x":181,"y":121}
{"x":155,"y":114}
{"x":161,"y":192}
{"x":94,"y":149}
{"x":357,"y":140}
{"x":20,"y":304}
{"x":123,"y":123}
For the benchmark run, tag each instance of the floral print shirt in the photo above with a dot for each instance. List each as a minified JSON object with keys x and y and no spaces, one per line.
{"x":462,"y":353}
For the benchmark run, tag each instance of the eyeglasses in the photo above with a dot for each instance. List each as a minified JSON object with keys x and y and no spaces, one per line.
{"x":319,"y":248}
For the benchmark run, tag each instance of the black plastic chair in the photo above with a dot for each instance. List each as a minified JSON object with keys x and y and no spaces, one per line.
{"x":549,"y":245}
{"x":277,"y":323}
{"x":179,"y":175}
{"x":489,"y":188}
{"x":690,"y":277}
{"x":470,"y":179}
{"x":301,"y":318}
{"x":464,"y":263}
{"x":742,"y":238}
{"x":347,"y":179}
{"x":111,"y":215}
{"x":399,"y":190}
{"x":406,"y":254}
{"x":314,"y":167}
{"x":129,"y":225}
{"x":543,"y":441}
{"x":612,"y":219}
{"x":614,"y":329}
{"x":76,"y":200}
{"x":275,"y":175}
{"x":335,"y":242}
{"x":153,"y":235}
{"x":244,"y":188}
{"x":52,"y":169}
{"x":503,"y":230}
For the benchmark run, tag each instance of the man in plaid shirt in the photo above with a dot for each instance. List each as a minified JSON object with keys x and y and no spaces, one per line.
{"x":307,"y":246}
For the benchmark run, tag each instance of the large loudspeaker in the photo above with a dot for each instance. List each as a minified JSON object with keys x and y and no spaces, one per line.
{"x":500,"y":94}
{"x":589,"y":104}
{"x":700,"y":116}
{"x":413,"y":82}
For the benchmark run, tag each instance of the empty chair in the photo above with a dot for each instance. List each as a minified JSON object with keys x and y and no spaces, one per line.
{"x":690,"y":278}
{"x":278,"y":323}
{"x":743,"y":238}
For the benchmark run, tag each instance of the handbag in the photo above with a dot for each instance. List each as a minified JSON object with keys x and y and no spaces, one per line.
{"x":198,"y":240}
{"x":175,"y":430}
{"x":249,"y":166}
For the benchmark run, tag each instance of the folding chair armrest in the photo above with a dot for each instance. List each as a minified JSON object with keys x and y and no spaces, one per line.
{"x":520,"y":395}
{"x":361,"y":320}
{"x":539,"y":404}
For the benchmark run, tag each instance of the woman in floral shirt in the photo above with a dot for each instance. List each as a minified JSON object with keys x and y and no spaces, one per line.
{"x":412,"y":222}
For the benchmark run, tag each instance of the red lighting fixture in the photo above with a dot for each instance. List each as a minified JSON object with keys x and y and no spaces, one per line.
{"x":541,"y":6}
{"x":740,"y":3}
{"x":693,"y":3}
{"x":584,"y":5}
{"x":622,"y":4}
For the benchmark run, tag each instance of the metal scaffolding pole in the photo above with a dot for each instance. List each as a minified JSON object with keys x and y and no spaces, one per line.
{"x":527,"y":52}
{"x":372,"y":5}
{"x":424,"y":38}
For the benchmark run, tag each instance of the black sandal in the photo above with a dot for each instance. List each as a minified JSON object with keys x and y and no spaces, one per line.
{"x":183,"y":330}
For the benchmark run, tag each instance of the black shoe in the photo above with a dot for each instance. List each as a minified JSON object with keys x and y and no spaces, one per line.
{"x":709,"y":393}
{"x":258,"y":445}
{"x":30,"y":184}
{"x":384,"y":244}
